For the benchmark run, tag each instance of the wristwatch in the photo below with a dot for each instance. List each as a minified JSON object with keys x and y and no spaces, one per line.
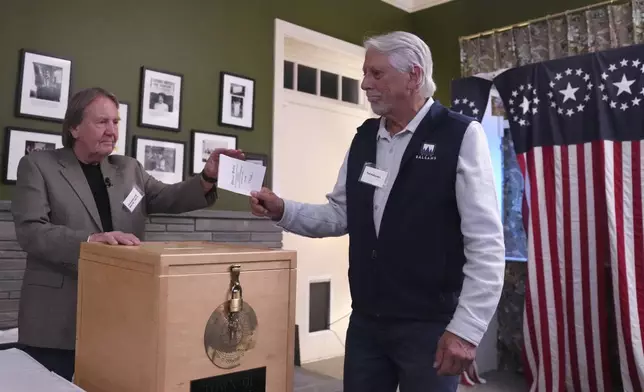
{"x":211,"y":180}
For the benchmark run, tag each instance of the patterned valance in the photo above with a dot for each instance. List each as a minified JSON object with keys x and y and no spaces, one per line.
{"x":590,"y":29}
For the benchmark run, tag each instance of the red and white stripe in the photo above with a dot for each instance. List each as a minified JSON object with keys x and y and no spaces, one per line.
{"x":565,"y":329}
{"x":624,"y":172}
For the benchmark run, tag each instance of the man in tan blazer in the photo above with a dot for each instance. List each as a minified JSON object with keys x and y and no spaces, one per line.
{"x":82,"y":193}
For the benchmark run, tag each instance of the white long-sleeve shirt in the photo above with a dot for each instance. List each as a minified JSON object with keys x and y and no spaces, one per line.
{"x":477,"y":203}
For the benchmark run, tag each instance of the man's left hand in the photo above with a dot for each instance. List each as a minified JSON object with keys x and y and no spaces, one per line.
{"x":211,"y":168}
{"x":453,"y":355}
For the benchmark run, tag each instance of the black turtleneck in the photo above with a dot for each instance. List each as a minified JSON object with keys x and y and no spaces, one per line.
{"x":99,"y":190}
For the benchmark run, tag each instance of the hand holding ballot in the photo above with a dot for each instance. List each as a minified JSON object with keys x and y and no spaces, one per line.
{"x":239,"y":176}
{"x":265,"y":203}
{"x":211,"y":168}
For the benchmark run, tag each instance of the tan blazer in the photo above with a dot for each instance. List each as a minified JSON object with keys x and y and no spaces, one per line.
{"x":54,"y":211}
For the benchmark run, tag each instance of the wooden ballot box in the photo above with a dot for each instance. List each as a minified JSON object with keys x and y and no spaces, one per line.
{"x":185,"y":317}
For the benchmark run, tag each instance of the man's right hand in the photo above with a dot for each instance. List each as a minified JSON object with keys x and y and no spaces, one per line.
{"x":114,"y":238}
{"x":265,"y":203}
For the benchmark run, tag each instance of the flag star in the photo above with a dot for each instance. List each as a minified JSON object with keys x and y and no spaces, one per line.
{"x":534,"y":110}
{"x":612,"y":68}
{"x":579,"y":72}
{"x":516,"y":118}
{"x":511,"y":101}
{"x":464,"y":100}
{"x":471,"y":104}
{"x":604,"y":97}
{"x":461,"y":112}
{"x":553,"y":104}
{"x":522,"y":122}
{"x":521,"y":87}
{"x":550,"y":94}
{"x":570,"y":113}
{"x":636,"y":63}
{"x":525,"y":105}
{"x":624,"y":106}
{"x":457,"y":101}
{"x":559,"y":76}
{"x":536,"y":100}
{"x":613,"y":104}
{"x":569,"y":93}
{"x":587,"y":98}
{"x":586,"y":77}
{"x":602,"y":87}
{"x":624,"y":85}
{"x":569,"y":71}
{"x":580,"y":108}
{"x":642,"y":68}
{"x":590,"y":85}
{"x":560,"y":111}
{"x":529,"y":86}
{"x":515,"y":93}
{"x":604,"y":76}
{"x":552,"y":84}
{"x":624,"y":63}
{"x":475,"y":111}
{"x":636,"y":102}
{"x":642,"y":92}
{"x":512,"y":110}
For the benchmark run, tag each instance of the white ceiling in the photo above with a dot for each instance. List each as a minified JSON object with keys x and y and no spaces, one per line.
{"x":414,"y":5}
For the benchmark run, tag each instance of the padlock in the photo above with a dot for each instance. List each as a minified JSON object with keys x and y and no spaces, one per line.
{"x":236,"y":302}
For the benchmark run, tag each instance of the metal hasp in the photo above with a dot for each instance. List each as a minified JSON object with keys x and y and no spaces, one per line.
{"x":236,"y":302}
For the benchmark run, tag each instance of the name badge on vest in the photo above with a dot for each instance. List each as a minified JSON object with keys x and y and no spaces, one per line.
{"x":373,"y":176}
{"x":133,"y":199}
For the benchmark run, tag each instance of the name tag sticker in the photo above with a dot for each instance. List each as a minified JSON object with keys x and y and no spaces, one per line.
{"x":133,"y":199}
{"x":373,"y":176}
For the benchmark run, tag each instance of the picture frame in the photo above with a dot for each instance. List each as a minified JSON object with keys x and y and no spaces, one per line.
{"x":160,"y":99}
{"x":236,"y":101}
{"x":20,"y":142}
{"x":260,"y":159}
{"x":124,"y":128}
{"x":44,"y":86}
{"x":203,"y":143}
{"x":160,"y":158}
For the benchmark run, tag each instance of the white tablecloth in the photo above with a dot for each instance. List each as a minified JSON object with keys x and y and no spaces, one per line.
{"x":21,"y":373}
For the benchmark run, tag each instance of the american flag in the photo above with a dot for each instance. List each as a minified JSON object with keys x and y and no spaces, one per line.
{"x":470,"y":96}
{"x":578,"y":127}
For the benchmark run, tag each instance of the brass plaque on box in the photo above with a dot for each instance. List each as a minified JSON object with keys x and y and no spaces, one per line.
{"x":252,"y":380}
{"x":231,"y":330}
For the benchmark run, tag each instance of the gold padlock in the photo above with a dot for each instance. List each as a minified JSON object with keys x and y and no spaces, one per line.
{"x":236,"y":302}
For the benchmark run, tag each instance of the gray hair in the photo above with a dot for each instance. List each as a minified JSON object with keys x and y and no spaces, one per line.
{"x":76,"y":110}
{"x":406,"y":50}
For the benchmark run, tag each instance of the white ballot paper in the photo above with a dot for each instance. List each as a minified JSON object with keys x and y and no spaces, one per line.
{"x":239,"y":176}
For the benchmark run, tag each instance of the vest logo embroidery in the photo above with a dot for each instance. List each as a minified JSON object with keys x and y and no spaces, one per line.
{"x":427,"y":152}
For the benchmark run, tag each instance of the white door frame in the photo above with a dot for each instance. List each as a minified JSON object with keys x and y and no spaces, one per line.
{"x":283,"y":30}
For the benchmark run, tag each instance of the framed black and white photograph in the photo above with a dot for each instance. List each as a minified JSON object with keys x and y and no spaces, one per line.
{"x":237,"y":101}
{"x":162,"y":159}
{"x":44,"y":86}
{"x":160,"y":99}
{"x":124,"y":115}
{"x":259,"y":159}
{"x":204,"y":143}
{"x":20,"y":142}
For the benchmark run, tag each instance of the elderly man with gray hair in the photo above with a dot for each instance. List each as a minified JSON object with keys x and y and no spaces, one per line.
{"x":416,"y":195}
{"x":83,"y":193}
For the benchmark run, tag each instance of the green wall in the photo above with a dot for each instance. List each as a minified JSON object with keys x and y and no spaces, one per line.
{"x":441,"y":26}
{"x":109,"y":41}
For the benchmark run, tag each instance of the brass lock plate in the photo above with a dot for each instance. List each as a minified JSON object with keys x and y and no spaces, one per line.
{"x":231,"y":330}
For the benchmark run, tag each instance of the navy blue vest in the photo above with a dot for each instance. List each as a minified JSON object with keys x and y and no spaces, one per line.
{"x":413,"y":268}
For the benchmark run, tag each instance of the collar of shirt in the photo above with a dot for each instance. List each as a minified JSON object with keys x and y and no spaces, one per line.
{"x":413,"y":124}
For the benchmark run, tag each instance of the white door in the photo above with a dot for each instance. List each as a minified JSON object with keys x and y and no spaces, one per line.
{"x":310,"y":139}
